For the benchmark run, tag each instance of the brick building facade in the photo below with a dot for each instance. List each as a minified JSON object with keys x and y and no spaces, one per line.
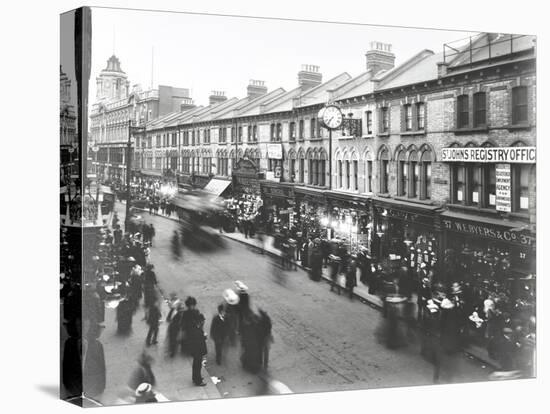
{"x":389,"y":182}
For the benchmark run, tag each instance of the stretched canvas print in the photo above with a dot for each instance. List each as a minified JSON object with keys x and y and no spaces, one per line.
{"x":253,"y":206}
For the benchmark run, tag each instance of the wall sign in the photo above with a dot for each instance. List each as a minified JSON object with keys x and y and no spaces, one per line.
{"x":275,"y":151}
{"x":503,"y":187}
{"x":524,"y":155}
{"x":489,"y":231}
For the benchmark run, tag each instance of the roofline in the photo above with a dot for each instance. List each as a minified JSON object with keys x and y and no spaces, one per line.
{"x":405,"y":66}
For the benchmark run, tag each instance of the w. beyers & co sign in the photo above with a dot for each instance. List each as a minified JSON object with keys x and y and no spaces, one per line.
{"x":490,"y":154}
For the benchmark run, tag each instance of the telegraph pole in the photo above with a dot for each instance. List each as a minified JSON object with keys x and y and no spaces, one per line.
{"x":128,"y":174}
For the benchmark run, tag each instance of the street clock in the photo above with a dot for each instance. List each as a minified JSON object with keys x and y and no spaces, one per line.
{"x":331,"y":117}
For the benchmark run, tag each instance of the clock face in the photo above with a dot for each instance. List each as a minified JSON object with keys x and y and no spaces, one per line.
{"x":332,"y":117}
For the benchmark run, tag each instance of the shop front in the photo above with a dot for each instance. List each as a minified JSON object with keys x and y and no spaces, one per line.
{"x":246,"y":178}
{"x":350,"y":220}
{"x":408,"y":232}
{"x":311,"y":211}
{"x":491,"y":254}
{"x":279,"y":206}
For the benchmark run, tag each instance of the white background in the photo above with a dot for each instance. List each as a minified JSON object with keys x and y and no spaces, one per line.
{"x":29,"y":162}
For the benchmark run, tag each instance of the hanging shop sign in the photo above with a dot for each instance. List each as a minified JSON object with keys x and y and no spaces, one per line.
{"x":503,"y":187}
{"x":275,"y":151}
{"x":525,"y":155}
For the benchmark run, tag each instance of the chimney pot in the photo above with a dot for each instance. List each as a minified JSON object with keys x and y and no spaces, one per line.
{"x":380,"y":57}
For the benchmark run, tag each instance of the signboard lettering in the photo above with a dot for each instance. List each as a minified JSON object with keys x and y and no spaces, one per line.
{"x":503,"y":187}
{"x":526,"y":155}
{"x":489,"y":232}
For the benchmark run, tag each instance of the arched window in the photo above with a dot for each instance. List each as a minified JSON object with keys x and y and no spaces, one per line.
{"x":292,"y":165}
{"x":321,"y":169}
{"x":384,"y":165}
{"x":339,"y":170}
{"x":354,"y":186}
{"x":301,"y":165}
{"x":426,"y":174}
{"x":414,"y":175}
{"x":402,"y":174}
{"x":368,"y":172}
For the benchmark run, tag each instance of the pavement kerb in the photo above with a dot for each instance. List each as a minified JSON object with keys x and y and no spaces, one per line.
{"x":469,"y":352}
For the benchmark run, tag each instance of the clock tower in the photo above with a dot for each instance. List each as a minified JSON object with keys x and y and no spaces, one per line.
{"x":112,"y":83}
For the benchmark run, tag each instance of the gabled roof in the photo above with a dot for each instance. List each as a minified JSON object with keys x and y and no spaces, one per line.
{"x":319,"y":94}
{"x":252,"y":108}
{"x":281,"y":103}
{"x":421,"y":67}
{"x":360,"y":85}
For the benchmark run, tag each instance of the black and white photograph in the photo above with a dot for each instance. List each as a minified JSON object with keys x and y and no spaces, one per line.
{"x":258,"y":206}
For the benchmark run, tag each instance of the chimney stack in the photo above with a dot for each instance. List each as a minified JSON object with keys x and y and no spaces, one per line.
{"x":256,"y":88}
{"x":216,"y":97}
{"x":309,"y":77}
{"x":380,"y":57}
{"x":186,"y":104}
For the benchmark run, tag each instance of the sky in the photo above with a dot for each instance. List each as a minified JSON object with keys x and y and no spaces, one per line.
{"x":205,"y":52}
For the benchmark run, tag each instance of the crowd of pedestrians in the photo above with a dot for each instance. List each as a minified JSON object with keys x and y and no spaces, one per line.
{"x":122,"y":277}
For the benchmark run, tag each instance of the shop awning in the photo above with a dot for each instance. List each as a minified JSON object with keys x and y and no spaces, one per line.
{"x":154,"y":173}
{"x":216,"y":186}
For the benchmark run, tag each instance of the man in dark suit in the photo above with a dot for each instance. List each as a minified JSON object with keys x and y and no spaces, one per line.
{"x":218,"y":332}
{"x":197,"y":348}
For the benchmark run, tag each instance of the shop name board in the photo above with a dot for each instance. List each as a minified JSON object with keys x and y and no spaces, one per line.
{"x":275,"y":151}
{"x":503,"y":187}
{"x":501,"y":155}
{"x":252,"y":183}
{"x":489,"y":232}
{"x":278,"y":192}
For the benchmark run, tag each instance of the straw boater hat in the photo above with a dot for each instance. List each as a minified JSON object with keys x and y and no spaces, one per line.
{"x":447,"y":304}
{"x":143,"y":389}
{"x":456,"y":288}
{"x":230,"y":296}
{"x":432,"y":307}
{"x":241,"y":287}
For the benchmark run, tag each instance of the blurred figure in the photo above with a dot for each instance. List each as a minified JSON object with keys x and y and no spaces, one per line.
{"x":94,"y":362}
{"x":176,"y":247}
{"x":142,"y":373}
{"x":72,"y":359}
{"x":507,"y":350}
{"x":151,"y":233}
{"x":189,"y":319}
{"x":334,"y":263}
{"x":351,"y":277}
{"x":316,"y":259}
{"x":149,"y":286}
{"x":174,"y":319}
{"x":251,"y":357}
{"x":197,"y":347}
{"x":124,"y":314}
{"x":231,"y":315}
{"x":265,"y":337}
{"x":152,"y":318}
{"x":218,"y":332}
